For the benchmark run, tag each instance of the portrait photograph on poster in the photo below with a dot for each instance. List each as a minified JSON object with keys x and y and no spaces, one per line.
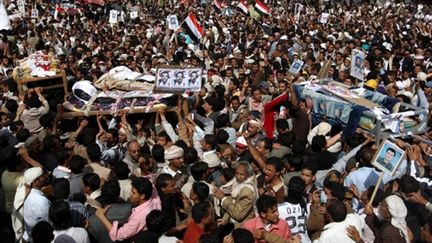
{"x":174,"y":79}
{"x":388,"y":157}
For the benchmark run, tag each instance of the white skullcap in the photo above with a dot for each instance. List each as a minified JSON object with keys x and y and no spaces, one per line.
{"x":173,"y":152}
{"x":30,"y":175}
{"x":212,"y":160}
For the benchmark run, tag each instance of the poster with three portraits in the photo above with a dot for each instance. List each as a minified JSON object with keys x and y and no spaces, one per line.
{"x":175,"y":79}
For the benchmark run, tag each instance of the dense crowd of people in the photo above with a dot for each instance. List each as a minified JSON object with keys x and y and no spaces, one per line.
{"x":240,"y":161}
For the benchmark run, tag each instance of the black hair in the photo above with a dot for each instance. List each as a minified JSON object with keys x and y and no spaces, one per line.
{"x":198,"y":170}
{"x":268,"y":144}
{"x":200,"y":211}
{"x":241,"y":235}
{"x":212,"y":101}
{"x":76,"y":164}
{"x":60,"y":215}
{"x":121,"y":170}
{"x":286,"y":139}
{"x":110,"y":192}
{"x":365,"y":156}
{"x":42,"y":232}
{"x":12,"y":105}
{"x":158,"y":153}
{"x":311,"y":167}
{"x":211,"y":140}
{"x":201,"y":189}
{"x":208,"y":238}
{"x":318,"y":143}
{"x":162,"y":181}
{"x":61,"y":188}
{"x":276,"y":162}
{"x":337,"y":210}
{"x":23,"y":134}
{"x":49,"y":142}
{"x":165,"y":135}
{"x":298,"y":146}
{"x":296,"y":187}
{"x":337,"y":189}
{"x":33,"y":102}
{"x":222,"y":136}
{"x":265,"y":202}
{"x":228,"y":173}
{"x":114,"y":133}
{"x":190,"y":155}
{"x":392,"y":150}
{"x":62,"y":156}
{"x":282,"y":124}
{"x":155,"y":222}
{"x":91,"y":180}
{"x":147,"y":236}
{"x":46,"y":120}
{"x":94,"y":152}
{"x":223,"y":120}
{"x":379,"y":196}
{"x":409,"y":184}
{"x":143,"y":186}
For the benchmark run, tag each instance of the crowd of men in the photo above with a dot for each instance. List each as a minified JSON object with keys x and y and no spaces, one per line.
{"x":240,"y":161}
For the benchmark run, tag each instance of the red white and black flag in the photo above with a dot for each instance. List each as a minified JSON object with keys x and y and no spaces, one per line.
{"x":262,"y":8}
{"x":193,"y":28}
{"x":219,"y":5}
{"x":243,"y":5}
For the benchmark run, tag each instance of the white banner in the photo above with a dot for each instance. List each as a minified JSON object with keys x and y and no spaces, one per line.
{"x":357,"y":62}
{"x":172,"y":22}
{"x":4,"y":18}
{"x":174,"y":79}
{"x":133,"y":14}
{"x":296,"y":67}
{"x":324,"y":18}
{"x":21,"y":7}
{"x":113,"y":16}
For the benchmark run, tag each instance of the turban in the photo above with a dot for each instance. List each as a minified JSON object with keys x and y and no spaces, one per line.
{"x":30,"y":175}
{"x":173,"y":152}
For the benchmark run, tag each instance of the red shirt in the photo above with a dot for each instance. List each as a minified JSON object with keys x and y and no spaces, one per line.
{"x":193,"y":233}
{"x":281,"y":228}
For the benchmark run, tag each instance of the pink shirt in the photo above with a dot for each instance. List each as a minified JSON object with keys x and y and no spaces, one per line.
{"x":137,"y":219}
{"x":281,"y":228}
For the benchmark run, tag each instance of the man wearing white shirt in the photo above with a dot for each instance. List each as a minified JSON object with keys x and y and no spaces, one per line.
{"x":36,"y":205}
{"x":336,"y":230}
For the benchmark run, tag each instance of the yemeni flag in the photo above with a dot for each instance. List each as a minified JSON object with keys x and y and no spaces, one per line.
{"x":219,"y":5}
{"x":57,"y":10}
{"x":243,"y":6}
{"x":262,"y":8}
{"x":193,"y":28}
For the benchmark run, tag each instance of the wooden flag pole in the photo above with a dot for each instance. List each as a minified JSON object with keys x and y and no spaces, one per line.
{"x":376,"y":188}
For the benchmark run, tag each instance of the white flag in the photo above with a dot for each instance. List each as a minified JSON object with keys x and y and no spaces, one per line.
{"x":133,"y":14}
{"x":34,"y":13}
{"x":324,"y":18}
{"x":4,"y":18}
{"x":113,"y":16}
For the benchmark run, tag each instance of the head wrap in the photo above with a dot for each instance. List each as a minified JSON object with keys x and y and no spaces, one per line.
{"x":173,"y":152}
{"x":398,"y":212}
{"x":30,"y":175}
{"x":212,"y":160}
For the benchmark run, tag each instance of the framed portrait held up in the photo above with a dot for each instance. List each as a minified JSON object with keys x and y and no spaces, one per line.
{"x":175,"y":79}
{"x":388,"y":157}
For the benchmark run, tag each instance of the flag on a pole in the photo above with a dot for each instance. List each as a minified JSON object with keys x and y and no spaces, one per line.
{"x":4,"y":18}
{"x":262,"y":8}
{"x":219,"y":5}
{"x":57,"y":10}
{"x":193,"y":28}
{"x":243,"y":6}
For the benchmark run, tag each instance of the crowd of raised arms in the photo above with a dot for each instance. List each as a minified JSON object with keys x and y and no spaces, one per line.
{"x":244,"y":159}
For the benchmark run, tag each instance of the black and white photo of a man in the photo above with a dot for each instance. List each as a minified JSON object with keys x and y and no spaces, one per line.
{"x":164,"y":78}
{"x":193,"y":79}
{"x":179,"y":79}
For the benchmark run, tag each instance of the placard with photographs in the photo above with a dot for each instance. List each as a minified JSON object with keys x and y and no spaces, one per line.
{"x":174,"y":79}
{"x":388,"y":157}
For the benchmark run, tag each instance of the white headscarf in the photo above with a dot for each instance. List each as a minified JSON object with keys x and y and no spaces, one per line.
{"x":398,"y":212}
